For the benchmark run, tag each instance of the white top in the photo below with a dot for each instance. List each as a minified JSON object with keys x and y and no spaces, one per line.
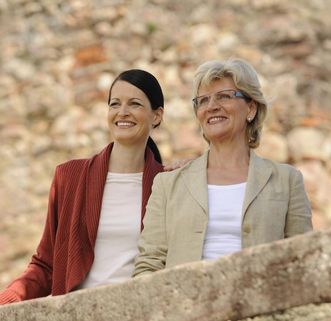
{"x":223,"y":235}
{"x":118,"y":232}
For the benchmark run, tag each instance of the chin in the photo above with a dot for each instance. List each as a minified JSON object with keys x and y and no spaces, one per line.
{"x":215,"y":136}
{"x":125,"y":139}
{"x":129,"y":140}
{"x":216,"y":139}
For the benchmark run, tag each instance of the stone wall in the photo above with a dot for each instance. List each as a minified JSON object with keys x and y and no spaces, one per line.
{"x":284,"y":280}
{"x":59,"y":57}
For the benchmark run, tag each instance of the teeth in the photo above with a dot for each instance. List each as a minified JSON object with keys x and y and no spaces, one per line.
{"x":124,"y":123}
{"x":216,"y":119}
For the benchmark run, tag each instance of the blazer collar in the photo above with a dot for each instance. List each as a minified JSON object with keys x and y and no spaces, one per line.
{"x":195,"y":178}
{"x":259,"y":172}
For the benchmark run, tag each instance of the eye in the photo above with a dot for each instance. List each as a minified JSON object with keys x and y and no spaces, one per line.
{"x":135,"y":104}
{"x":202,"y":100}
{"x":223,"y":96}
{"x":114,"y":104}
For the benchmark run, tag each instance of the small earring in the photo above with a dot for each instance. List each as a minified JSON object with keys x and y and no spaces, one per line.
{"x":249,"y":119}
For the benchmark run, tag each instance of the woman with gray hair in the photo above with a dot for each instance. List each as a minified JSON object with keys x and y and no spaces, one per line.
{"x":229,"y":198}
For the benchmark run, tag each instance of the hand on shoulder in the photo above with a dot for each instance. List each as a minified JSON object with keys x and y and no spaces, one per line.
{"x":176,"y":164}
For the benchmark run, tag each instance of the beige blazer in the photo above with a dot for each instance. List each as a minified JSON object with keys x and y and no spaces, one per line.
{"x":275,"y":207}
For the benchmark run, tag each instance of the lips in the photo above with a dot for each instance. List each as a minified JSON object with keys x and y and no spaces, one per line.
{"x":216,"y":119}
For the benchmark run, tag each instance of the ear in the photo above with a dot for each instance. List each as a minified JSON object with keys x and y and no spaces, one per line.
{"x":252,"y":110}
{"x":158,"y":115}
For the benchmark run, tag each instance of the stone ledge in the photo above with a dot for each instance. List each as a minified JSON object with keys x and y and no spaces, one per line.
{"x":259,"y":280}
{"x":309,"y":312}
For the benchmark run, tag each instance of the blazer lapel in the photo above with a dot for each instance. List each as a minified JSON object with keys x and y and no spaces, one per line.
{"x":195,"y":178}
{"x":259,"y":173}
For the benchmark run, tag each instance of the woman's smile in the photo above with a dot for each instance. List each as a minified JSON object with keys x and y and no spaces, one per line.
{"x":216,"y":119}
{"x":125,"y":124}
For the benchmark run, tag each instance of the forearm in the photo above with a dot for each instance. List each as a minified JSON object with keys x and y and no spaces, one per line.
{"x":33,"y":283}
{"x":149,"y":261}
{"x":36,"y":281}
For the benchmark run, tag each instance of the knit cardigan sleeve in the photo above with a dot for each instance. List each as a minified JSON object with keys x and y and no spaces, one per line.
{"x":36,"y":281}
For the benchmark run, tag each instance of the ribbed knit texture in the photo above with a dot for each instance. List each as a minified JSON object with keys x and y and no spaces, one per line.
{"x":66,"y":251}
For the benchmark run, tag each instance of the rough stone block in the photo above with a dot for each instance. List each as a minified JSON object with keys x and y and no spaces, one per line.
{"x":258,"y":280}
{"x":309,"y":312}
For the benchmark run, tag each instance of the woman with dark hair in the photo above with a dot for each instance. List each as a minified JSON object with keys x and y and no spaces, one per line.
{"x":96,"y":205}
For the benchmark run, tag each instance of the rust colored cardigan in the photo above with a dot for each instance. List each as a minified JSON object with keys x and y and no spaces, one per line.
{"x":66,"y":251}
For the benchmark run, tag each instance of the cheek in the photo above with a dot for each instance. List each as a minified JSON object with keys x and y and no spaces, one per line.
{"x":150,"y":123}
{"x":241,"y":118}
{"x":200,"y":116}
{"x":149,"y":119}
{"x":110,"y":118}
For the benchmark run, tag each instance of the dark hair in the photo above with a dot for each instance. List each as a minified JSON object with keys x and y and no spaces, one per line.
{"x":150,"y":86}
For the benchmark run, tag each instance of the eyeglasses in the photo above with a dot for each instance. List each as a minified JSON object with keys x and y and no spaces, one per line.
{"x":223,"y":97}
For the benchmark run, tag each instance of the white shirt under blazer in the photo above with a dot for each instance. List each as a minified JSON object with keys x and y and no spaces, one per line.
{"x":223,"y":234}
{"x":275,"y":207}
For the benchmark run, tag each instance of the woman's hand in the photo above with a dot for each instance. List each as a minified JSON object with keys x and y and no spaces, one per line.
{"x":176,"y":164}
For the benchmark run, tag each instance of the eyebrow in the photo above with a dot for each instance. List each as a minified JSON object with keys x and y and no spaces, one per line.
{"x":115,"y":98}
{"x":217,"y":92}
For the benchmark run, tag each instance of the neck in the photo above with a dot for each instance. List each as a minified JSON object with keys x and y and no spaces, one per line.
{"x":228,"y":156}
{"x":126,"y":159}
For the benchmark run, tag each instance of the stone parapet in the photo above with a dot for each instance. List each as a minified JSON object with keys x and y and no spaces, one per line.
{"x":257,"y":281}
{"x":309,"y":312}
{"x":58,"y":60}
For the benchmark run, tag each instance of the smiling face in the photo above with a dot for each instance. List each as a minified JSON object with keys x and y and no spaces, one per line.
{"x":130,"y":116}
{"x":224,"y":122}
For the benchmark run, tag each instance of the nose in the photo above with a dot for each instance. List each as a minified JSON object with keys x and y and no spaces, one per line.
{"x":212,"y":104}
{"x":123,"y":110}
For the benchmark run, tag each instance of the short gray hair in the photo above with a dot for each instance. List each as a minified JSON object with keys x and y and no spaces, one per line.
{"x":245,"y":79}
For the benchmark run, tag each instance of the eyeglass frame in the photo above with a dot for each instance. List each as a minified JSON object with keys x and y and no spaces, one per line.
{"x":236,"y":94}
